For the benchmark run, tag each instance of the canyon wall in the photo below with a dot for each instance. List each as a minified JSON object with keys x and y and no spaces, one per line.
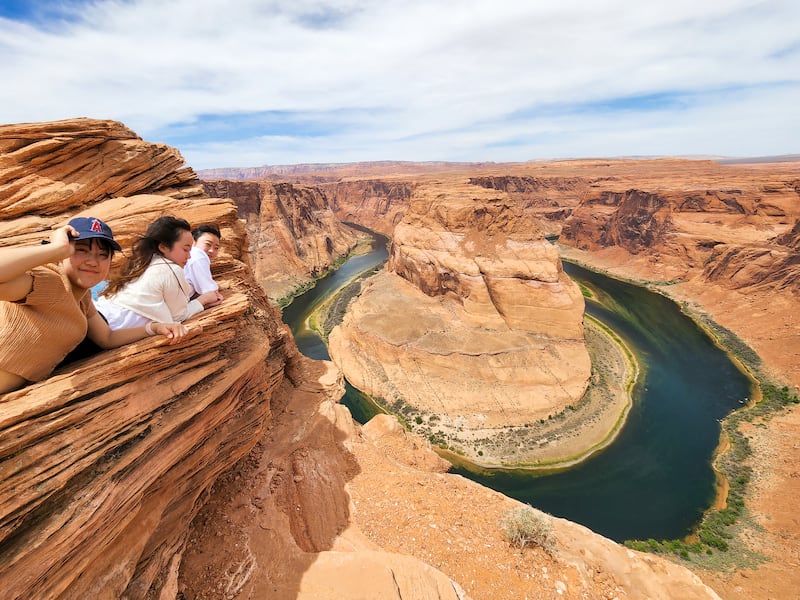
{"x":721,"y":235}
{"x":474,"y":324}
{"x":294,"y":236}
{"x":378,"y":204}
{"x":720,"y":238}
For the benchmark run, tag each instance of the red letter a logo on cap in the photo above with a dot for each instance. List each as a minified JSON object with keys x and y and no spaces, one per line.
{"x":96,"y":226}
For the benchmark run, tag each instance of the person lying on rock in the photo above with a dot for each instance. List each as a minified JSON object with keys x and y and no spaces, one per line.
{"x":46,"y":308}
{"x":151,"y":287}
{"x":198,"y":268}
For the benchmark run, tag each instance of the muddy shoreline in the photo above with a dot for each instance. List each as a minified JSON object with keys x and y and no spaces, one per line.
{"x":569,"y":437}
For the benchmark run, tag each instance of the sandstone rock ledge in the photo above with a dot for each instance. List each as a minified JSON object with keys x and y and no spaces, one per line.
{"x":104,"y":464}
{"x":328,"y":509}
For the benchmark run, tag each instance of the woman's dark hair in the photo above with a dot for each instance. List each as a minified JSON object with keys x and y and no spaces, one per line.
{"x":201,"y":229}
{"x":164,"y":230}
{"x":105,"y":245}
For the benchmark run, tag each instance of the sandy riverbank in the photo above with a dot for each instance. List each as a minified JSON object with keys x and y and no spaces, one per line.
{"x":559,"y":442}
{"x":567,"y":438}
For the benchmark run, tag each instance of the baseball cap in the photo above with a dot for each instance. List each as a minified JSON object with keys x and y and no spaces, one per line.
{"x":91,"y":227}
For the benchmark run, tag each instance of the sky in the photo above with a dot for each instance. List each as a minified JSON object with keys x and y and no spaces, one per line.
{"x":242,"y":83}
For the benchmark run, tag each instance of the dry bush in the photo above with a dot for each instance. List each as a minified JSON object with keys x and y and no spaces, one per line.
{"x":525,"y":526}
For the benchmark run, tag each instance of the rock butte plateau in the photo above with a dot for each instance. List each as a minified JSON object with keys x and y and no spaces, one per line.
{"x":474,"y":324}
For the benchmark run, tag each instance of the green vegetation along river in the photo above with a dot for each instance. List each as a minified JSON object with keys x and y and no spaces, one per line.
{"x":656,"y":479}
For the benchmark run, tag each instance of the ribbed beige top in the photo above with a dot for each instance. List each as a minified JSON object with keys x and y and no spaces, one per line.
{"x":37,"y":333}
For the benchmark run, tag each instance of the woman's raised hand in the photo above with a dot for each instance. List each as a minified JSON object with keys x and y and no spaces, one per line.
{"x":63,"y":238}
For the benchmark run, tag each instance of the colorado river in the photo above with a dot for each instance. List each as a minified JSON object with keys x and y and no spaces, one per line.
{"x":656,"y":479}
{"x":296,"y":315}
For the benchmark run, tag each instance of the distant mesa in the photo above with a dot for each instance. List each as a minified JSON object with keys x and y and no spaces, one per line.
{"x":329,"y":171}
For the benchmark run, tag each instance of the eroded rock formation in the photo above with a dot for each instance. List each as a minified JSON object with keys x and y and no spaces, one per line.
{"x":104,"y":465}
{"x":378,"y":204}
{"x":294,"y":235}
{"x":474,"y":325}
{"x":698,"y":218}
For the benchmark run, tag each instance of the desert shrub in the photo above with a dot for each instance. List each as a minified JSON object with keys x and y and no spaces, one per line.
{"x":524,"y":526}
{"x":639,"y":545}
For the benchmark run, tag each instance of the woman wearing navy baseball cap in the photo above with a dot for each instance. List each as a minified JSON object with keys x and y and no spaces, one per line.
{"x":46,"y":307}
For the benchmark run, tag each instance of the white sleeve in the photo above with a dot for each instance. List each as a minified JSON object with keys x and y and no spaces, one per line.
{"x":176,"y":296}
{"x":198,"y":272}
{"x":194,"y":307}
{"x":146,"y":295}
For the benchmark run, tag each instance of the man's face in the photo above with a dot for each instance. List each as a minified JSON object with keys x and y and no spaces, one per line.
{"x":208,"y":243}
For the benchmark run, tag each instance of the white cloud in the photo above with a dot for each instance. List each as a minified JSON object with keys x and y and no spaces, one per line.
{"x":419,"y":80}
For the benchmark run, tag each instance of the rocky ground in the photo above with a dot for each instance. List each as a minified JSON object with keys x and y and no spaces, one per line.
{"x":391,"y":498}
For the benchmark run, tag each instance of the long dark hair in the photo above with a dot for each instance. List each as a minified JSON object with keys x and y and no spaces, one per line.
{"x":164,"y":230}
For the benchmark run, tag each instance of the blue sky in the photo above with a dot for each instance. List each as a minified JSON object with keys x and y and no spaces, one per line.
{"x":255,"y":82}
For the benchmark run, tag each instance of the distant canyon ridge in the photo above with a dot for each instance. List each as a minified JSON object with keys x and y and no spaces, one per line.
{"x":683,"y":218}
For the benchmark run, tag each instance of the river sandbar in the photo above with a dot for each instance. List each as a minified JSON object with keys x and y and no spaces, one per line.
{"x":556,"y":443}
{"x":568,"y":438}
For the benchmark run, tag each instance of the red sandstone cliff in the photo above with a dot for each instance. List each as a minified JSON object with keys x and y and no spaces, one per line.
{"x":728,"y":225}
{"x":104,"y":465}
{"x":378,"y":204}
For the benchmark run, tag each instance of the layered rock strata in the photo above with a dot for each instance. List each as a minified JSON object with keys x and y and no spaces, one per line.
{"x":474,"y":325}
{"x":104,"y":464}
{"x":293,"y":233}
{"x":378,"y":204}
